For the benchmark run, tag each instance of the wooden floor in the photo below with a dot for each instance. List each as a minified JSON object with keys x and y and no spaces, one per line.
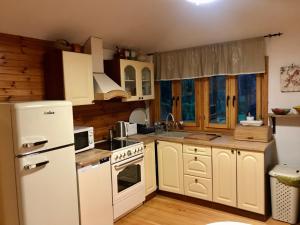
{"x":162,"y":210}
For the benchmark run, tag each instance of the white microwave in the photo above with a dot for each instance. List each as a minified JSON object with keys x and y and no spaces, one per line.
{"x":83,"y":138}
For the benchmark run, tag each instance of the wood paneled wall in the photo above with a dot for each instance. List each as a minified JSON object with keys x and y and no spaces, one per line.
{"x":22,"y":79}
{"x":103,"y":115}
{"x":21,"y":68}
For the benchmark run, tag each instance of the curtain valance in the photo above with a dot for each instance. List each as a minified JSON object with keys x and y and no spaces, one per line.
{"x":230,"y":58}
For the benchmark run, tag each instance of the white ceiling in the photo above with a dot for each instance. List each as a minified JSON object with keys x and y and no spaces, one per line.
{"x":150,"y":25}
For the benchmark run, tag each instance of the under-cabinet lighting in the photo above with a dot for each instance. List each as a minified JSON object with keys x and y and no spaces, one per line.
{"x":199,"y":2}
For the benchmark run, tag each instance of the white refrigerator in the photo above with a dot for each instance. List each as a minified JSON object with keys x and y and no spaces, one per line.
{"x":37,"y":164}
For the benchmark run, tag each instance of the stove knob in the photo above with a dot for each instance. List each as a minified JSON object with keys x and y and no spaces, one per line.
{"x":124,"y":154}
{"x":120,"y":156}
{"x":129,"y":153}
{"x":135,"y":151}
{"x":116,"y":157}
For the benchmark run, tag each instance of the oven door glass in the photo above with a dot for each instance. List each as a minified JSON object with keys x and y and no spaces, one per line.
{"x":128,"y":177}
{"x":81,"y":140}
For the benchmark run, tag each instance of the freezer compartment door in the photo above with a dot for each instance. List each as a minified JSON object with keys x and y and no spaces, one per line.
{"x":47,"y":188}
{"x":42,"y":125}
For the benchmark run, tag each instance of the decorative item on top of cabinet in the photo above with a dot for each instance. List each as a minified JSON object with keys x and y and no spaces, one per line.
{"x":259,"y":134}
{"x":137,"y":78}
{"x":150,"y":168}
{"x":170,"y":167}
{"x":69,"y":76}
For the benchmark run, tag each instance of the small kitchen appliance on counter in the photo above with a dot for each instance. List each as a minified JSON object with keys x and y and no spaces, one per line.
{"x":83,"y":138}
{"x":128,"y":179}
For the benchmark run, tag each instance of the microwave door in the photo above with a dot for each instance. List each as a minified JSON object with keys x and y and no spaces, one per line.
{"x":81,"y":140}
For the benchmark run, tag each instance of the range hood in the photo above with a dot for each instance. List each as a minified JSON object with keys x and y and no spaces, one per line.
{"x":104,"y":87}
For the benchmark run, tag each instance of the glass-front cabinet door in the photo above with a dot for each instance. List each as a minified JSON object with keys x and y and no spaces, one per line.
{"x":147,"y":81}
{"x":129,"y":79}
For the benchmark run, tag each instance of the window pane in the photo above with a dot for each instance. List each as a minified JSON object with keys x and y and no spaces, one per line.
{"x":188,"y":100}
{"x":246,"y":96}
{"x":217,"y":100}
{"x":165,"y":98}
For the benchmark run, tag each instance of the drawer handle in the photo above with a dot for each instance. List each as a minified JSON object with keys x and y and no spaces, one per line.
{"x":196,"y":158}
{"x":250,"y":138}
{"x":196,"y":149}
{"x":196,"y":180}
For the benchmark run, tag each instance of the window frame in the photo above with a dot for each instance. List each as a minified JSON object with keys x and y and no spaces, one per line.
{"x":202,"y":99}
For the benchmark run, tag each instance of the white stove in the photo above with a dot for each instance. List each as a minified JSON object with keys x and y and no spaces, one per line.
{"x":128,"y":180}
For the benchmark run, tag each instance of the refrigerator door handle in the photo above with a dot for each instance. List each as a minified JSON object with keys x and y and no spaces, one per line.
{"x":30,"y":145}
{"x":33,"y":166}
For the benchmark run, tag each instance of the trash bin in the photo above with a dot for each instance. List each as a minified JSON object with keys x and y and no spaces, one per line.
{"x":285,"y":183}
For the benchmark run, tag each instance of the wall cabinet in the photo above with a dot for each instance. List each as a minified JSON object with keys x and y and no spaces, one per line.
{"x":69,"y":76}
{"x":239,"y":179}
{"x":170,"y":167}
{"x":137,"y":78}
{"x":150,"y":168}
{"x":224,"y":176}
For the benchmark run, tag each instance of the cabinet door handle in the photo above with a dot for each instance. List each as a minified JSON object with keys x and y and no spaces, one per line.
{"x":233,"y":101}
{"x":145,"y":146}
{"x":172,"y":102}
{"x":232,"y":151}
{"x":228,"y":99}
{"x":177,"y":99}
{"x":239,"y":153}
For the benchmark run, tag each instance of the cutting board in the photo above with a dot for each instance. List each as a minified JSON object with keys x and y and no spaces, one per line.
{"x":202,"y":137}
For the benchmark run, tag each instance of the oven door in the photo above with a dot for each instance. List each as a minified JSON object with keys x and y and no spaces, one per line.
{"x":128,"y":178}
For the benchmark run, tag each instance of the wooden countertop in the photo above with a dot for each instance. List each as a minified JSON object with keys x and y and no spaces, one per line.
{"x":224,"y":141}
{"x":90,"y":157}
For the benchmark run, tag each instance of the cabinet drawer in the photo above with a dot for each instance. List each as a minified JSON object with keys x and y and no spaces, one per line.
{"x":198,"y":187}
{"x":200,"y":150}
{"x":197,"y":165}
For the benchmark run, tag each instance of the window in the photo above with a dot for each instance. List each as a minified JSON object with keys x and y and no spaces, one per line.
{"x":228,"y":100}
{"x":165,"y":99}
{"x":188,"y":100}
{"x":246,"y":96}
{"x":217,"y":100}
{"x":213,"y":103}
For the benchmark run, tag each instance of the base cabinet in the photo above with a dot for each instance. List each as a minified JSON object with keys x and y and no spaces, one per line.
{"x":198,"y":187}
{"x":238,"y":179}
{"x":224,"y":176}
{"x":150,"y":168}
{"x":170,"y":167}
{"x":251,"y":181}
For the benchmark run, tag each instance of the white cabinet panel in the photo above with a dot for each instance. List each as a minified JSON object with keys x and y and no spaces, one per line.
{"x":199,"y":150}
{"x":78,"y":78}
{"x":170,"y":167}
{"x":251,"y":182}
{"x":150,"y":168}
{"x":224,"y":176}
{"x":198,"y":187}
{"x":197,"y":165}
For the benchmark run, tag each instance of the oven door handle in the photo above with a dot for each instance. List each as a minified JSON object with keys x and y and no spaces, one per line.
{"x":121,"y":166}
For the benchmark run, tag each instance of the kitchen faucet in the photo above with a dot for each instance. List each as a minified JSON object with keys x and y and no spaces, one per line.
{"x":167,"y":121}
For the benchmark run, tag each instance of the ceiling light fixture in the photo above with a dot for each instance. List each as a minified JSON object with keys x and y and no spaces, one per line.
{"x":200,"y":2}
